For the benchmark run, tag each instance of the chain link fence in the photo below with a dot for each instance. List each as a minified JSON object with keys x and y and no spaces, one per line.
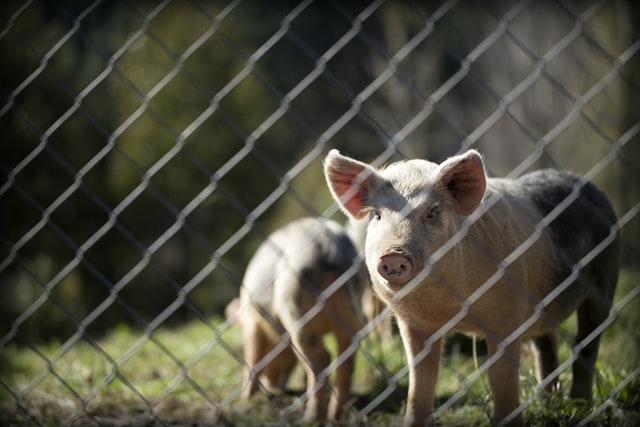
{"x":149,"y":148}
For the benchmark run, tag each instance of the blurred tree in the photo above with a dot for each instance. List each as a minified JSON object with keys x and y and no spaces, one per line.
{"x":151,"y":108}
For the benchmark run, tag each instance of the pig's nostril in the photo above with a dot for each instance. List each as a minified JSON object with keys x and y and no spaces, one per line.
{"x":395,"y":267}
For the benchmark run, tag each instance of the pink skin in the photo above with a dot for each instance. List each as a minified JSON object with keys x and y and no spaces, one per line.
{"x":406,"y":225}
{"x":416,"y":206}
{"x":395,"y":268}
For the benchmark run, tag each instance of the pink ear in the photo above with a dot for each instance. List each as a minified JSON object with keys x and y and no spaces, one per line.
{"x":463,"y":177}
{"x":350,"y":182}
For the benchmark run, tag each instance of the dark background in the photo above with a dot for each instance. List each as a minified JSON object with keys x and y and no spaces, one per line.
{"x":100,"y":118}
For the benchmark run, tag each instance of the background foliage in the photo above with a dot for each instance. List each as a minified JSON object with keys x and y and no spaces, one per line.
{"x":135,"y":125}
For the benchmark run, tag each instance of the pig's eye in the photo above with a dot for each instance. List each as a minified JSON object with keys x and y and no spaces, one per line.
{"x":432,"y":212}
{"x":376,"y":215}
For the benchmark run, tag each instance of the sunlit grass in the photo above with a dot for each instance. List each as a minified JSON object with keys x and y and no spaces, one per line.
{"x":149,"y":384}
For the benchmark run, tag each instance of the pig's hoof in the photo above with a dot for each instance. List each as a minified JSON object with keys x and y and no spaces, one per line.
{"x":417,"y":422}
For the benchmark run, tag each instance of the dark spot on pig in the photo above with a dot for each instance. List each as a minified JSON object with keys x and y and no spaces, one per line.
{"x":581,"y":226}
{"x":313,"y":340}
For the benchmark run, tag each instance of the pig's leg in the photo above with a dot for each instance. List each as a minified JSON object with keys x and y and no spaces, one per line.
{"x":503,"y":377}
{"x":423,"y":373}
{"x":347,"y":324}
{"x":547,"y":358}
{"x":277,"y":372}
{"x":291,"y":303}
{"x":315,"y":358}
{"x":254,"y":349}
{"x":590,"y":315}
{"x":344,"y":373}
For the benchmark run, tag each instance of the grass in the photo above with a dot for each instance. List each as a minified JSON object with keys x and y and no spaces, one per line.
{"x":207,"y":394}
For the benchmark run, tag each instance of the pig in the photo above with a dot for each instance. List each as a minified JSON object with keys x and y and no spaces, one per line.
{"x":283,"y":281}
{"x":232,"y":310}
{"x":415,"y":206}
{"x":372,"y":306}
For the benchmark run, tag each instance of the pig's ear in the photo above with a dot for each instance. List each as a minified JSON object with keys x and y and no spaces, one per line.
{"x":351,"y":183}
{"x":464,"y":178}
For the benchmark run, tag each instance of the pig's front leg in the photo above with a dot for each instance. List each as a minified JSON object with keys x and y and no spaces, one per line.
{"x":423,"y":373}
{"x":503,"y":376}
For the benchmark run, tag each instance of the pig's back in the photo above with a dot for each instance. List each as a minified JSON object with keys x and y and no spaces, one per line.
{"x":583,"y":223}
{"x":306,"y":248}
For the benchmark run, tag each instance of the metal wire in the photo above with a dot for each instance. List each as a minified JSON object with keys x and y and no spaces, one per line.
{"x":393,"y":143}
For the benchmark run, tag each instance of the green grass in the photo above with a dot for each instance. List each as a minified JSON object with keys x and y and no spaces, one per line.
{"x":153,"y":375}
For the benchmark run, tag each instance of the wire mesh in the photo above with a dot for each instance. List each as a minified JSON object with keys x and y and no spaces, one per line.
{"x":378,"y":78}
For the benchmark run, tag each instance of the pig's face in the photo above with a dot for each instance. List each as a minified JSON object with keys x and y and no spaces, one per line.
{"x":413,"y":206}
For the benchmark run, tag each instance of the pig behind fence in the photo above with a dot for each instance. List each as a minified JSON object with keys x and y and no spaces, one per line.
{"x":415,"y":207}
{"x":372,"y":305}
{"x":281,"y":290}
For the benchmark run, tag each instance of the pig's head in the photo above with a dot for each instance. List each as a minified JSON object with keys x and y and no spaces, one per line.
{"x":413,"y":207}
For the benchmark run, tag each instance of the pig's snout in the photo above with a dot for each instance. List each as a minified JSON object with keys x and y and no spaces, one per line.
{"x":395,"y":267}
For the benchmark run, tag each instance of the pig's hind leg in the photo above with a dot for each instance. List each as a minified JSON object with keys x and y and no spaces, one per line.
{"x":315,"y":358}
{"x":278,"y":371}
{"x":311,"y":352}
{"x":601,"y":280}
{"x":346,"y":324}
{"x":546,"y":347}
{"x":591,"y":314}
{"x":255,"y":346}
